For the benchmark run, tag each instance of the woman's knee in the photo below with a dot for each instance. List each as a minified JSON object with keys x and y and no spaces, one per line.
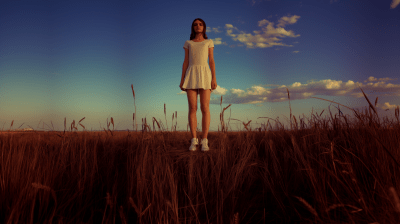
{"x":193,"y":109}
{"x":205,"y":109}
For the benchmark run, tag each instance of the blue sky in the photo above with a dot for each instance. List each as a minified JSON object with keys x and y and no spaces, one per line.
{"x":78,"y":59}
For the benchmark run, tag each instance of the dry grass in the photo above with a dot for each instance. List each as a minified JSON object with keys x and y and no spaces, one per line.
{"x":396,"y":200}
{"x":333,"y":170}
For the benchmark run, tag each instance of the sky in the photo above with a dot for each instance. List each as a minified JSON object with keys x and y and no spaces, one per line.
{"x":78,"y":59}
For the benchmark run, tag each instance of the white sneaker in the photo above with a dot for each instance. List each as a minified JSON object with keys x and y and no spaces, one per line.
{"x":194,"y":144}
{"x":204,"y":145}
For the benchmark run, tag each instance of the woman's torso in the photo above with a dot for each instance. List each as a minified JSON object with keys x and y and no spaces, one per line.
{"x":199,"y":53}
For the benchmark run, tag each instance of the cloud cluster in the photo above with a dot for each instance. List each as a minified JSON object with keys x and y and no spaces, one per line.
{"x":268,"y":36}
{"x":394,"y":4}
{"x":278,"y":93}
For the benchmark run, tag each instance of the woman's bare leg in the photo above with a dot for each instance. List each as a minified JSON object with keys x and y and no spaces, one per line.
{"x":205,"y":110}
{"x":192,"y":99}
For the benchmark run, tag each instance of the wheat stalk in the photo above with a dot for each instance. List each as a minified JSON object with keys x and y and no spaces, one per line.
{"x":333,"y":160}
{"x":155,"y":120}
{"x":289,"y":108}
{"x":72,"y":124}
{"x":140,"y":214}
{"x":109,"y":200}
{"x":221,"y":117}
{"x":82,"y":126}
{"x":295,"y":121}
{"x":245,"y":125}
{"x":332,"y":102}
{"x":121,"y":214}
{"x":81,"y":119}
{"x":80,"y":122}
{"x":342,"y":205}
{"x":53,"y":194}
{"x":236,"y":218}
{"x":395,"y":199}
{"x":308,"y":206}
{"x":134,"y":205}
{"x":176,"y":116}
{"x":165,"y":113}
{"x":373,"y":108}
{"x":112,"y":122}
{"x":40,"y":186}
{"x":133,"y":91}
{"x":134,"y":120}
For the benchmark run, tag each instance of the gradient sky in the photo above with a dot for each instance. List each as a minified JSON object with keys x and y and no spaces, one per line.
{"x":78,"y":59}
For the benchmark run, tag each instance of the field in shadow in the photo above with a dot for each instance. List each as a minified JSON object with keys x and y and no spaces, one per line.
{"x":331,"y":170}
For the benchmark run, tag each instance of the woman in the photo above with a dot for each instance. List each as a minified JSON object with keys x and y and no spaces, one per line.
{"x":197,"y":78}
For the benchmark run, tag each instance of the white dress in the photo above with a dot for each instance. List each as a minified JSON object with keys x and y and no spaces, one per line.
{"x":198,"y":74}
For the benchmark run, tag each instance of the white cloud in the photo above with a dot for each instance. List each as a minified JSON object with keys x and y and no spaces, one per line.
{"x":217,"y":41}
{"x":332,"y":84}
{"x":387,"y":105}
{"x":268,"y":36}
{"x":278,"y":93}
{"x":394,"y":4}
{"x":238,"y":92}
{"x":296,"y":84}
{"x":215,"y":30}
{"x":308,"y":94}
{"x":257,"y":90}
{"x":219,"y":90}
{"x":287,"y":20}
{"x":349,"y":83}
{"x":371,"y":79}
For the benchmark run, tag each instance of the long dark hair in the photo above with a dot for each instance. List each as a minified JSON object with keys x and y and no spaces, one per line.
{"x":193,"y":34}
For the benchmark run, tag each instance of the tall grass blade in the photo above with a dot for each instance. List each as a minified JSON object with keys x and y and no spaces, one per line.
{"x":395,"y":199}
{"x":370,"y":104}
{"x":165,"y":113}
{"x":112,"y":122}
{"x":308,"y":206}
{"x":289,"y":108}
{"x":135,"y":106}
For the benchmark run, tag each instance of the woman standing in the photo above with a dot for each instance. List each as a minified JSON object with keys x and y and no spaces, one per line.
{"x":198,"y":78}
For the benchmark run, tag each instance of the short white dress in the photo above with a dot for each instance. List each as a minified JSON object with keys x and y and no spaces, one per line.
{"x":198,"y":74}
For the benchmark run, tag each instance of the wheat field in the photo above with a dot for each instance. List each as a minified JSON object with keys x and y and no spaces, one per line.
{"x":321,"y":170}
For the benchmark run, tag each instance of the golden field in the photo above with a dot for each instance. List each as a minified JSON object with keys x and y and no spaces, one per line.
{"x":332,"y":170}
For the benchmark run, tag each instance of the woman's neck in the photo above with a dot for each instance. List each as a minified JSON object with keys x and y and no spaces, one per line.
{"x":199,"y":36}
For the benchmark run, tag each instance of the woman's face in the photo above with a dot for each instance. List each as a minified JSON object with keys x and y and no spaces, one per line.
{"x":198,"y":26}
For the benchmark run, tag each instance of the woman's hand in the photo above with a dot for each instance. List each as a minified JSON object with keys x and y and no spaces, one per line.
{"x":213,"y":84}
{"x":180,"y":86}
